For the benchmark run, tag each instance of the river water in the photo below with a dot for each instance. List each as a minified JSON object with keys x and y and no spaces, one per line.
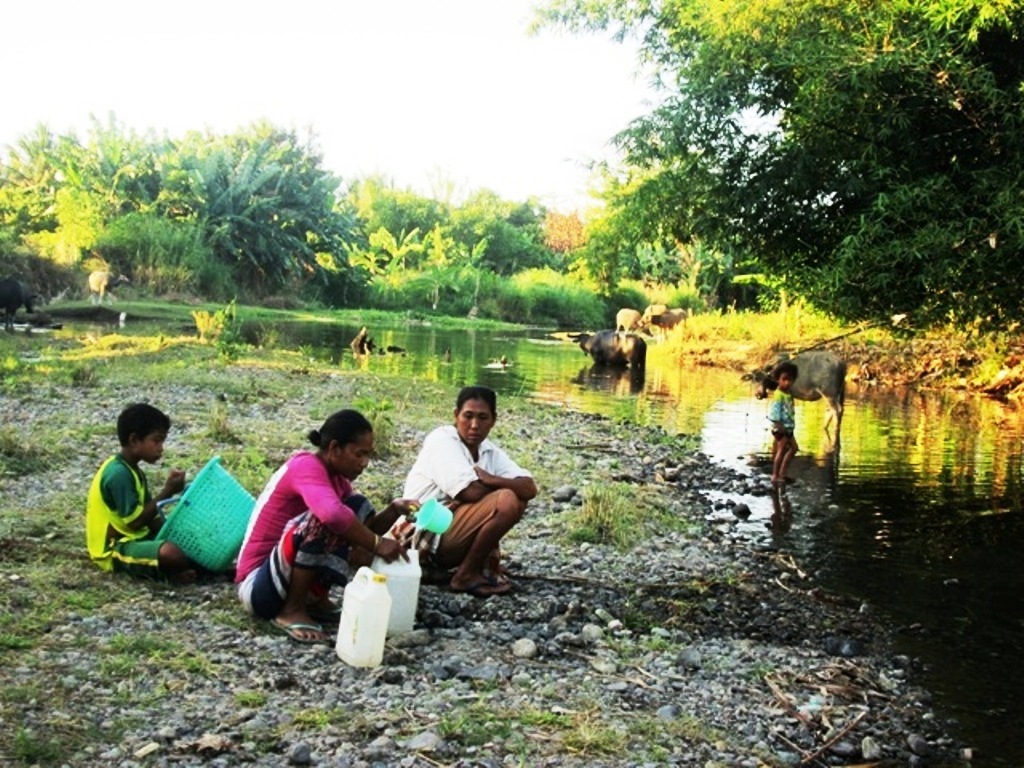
{"x":916,"y":510}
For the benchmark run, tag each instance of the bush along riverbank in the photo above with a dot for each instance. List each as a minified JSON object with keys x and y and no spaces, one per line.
{"x":644,"y":629}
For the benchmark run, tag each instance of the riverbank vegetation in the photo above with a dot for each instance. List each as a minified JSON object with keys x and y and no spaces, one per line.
{"x":878,"y":354}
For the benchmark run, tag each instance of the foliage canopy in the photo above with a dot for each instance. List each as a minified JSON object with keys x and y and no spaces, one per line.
{"x":869,"y":154}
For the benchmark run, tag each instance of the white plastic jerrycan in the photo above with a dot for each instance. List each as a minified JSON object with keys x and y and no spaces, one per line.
{"x":404,"y":588}
{"x":365,"y":610}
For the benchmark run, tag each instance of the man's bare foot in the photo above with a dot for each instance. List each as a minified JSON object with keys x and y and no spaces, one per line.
{"x":482,"y":587}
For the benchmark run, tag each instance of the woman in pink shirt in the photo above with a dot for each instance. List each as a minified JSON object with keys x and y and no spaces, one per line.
{"x":308,"y":530}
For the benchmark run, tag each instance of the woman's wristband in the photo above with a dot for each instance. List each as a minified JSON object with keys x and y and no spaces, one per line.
{"x":376,"y":543}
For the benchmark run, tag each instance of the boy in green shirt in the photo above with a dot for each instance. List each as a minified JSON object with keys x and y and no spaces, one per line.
{"x":122,"y":520}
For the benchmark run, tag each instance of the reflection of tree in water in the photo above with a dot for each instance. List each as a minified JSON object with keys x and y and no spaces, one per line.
{"x":606,"y":378}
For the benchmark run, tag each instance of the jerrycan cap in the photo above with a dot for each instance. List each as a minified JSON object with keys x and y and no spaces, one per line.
{"x":380,"y":578}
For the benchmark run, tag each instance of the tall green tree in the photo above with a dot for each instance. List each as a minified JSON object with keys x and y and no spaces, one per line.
{"x":870,"y":154}
{"x":514,"y":232}
{"x":29,"y":180}
{"x":265,"y":203}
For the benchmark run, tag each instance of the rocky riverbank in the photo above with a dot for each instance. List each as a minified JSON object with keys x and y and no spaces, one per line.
{"x":695,"y":645}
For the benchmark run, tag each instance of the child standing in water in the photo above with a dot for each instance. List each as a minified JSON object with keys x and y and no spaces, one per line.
{"x":782,"y":415}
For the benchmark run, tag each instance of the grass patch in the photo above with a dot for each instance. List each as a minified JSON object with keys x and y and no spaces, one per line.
{"x":607,"y":516}
{"x":31,"y":748}
{"x":314,"y":719}
{"x":380,"y":414}
{"x":591,"y":734}
{"x":621,"y":515}
{"x":251,"y":699}
{"x":20,"y":454}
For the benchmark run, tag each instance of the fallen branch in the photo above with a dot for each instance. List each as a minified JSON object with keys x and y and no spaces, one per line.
{"x":787,"y":705}
{"x":828,"y":744}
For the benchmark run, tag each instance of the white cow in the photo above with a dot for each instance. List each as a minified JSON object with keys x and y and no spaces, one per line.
{"x":100,"y":282}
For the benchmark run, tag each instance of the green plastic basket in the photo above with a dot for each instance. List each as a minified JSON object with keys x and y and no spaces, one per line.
{"x":208,"y":521}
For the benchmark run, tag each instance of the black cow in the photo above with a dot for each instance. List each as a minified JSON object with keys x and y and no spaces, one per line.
{"x":614,"y":348}
{"x":14,"y":294}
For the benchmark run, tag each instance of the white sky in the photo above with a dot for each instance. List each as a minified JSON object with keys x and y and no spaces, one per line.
{"x":417,"y":90}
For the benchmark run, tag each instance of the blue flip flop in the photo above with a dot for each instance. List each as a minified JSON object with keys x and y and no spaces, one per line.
{"x":299,"y":632}
{"x":331,"y":617}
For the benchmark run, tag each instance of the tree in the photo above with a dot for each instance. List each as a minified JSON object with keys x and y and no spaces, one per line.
{"x":266,"y":205}
{"x":563,"y":233}
{"x":513,"y":231}
{"x":869,"y":153}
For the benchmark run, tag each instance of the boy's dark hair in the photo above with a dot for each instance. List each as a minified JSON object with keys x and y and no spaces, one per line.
{"x":141,"y":420}
{"x":344,"y":426}
{"x":785,"y":367}
{"x":477,"y":392}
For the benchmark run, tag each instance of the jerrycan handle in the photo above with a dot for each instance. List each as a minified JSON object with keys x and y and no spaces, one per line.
{"x":365,"y":575}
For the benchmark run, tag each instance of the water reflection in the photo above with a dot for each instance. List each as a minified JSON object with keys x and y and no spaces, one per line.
{"x":782,"y":512}
{"x":616,"y":381}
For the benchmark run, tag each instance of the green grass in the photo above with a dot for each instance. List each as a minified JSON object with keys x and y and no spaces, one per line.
{"x":608,"y":516}
{"x":622,"y":515}
{"x":20,"y":455}
{"x":251,"y":699}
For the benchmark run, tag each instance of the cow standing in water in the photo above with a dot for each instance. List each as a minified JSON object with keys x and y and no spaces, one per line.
{"x":614,"y":348}
{"x":100,"y":282}
{"x":13,"y":295}
{"x":822,"y":376}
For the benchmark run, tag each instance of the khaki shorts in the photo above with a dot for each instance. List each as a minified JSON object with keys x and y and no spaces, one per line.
{"x":457,"y":540}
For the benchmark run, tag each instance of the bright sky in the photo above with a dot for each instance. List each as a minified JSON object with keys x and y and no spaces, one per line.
{"x":416,"y":90}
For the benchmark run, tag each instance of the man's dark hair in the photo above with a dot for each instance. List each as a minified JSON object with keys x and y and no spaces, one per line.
{"x":141,"y":420}
{"x":477,"y":392}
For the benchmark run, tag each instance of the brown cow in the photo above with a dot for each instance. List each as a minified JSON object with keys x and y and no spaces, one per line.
{"x":660,"y":317}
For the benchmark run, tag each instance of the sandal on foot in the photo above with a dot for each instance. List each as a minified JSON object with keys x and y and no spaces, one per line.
{"x":301,"y":632}
{"x":483,"y":589}
{"x":326,"y":616}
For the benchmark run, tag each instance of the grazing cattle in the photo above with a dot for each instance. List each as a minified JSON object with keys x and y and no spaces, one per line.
{"x":614,"y":348}
{"x":13,"y":296}
{"x":652,"y":311}
{"x":661,"y":318}
{"x":100,"y":282}
{"x":666,"y":321}
{"x":627,"y":319}
{"x":820,"y":374}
